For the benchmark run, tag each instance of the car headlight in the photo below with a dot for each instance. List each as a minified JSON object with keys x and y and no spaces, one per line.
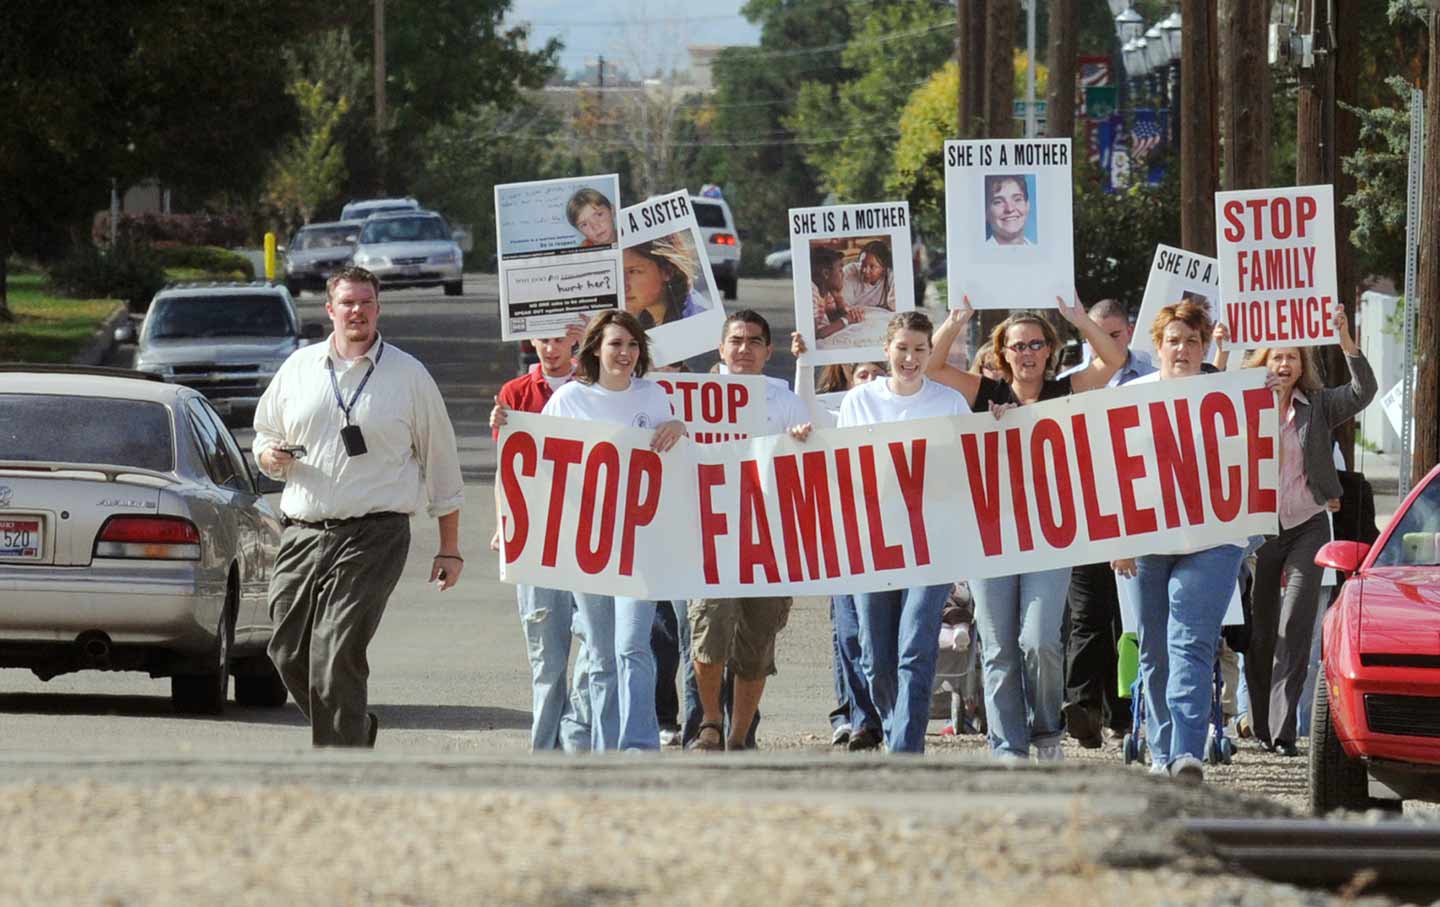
{"x":153,"y":368}
{"x":370,"y":260}
{"x":445,"y":258}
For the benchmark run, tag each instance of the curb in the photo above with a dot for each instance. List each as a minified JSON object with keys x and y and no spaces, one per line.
{"x":103,"y":340}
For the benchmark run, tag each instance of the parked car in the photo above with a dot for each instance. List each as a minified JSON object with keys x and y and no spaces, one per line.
{"x":779,"y":261}
{"x":1377,"y":700}
{"x":225,"y":340}
{"x":133,"y":537}
{"x":722,"y":241}
{"x":411,"y":250}
{"x":316,"y":251}
{"x":359,"y":210}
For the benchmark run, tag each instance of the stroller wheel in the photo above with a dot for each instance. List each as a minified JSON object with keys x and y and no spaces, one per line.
{"x":1227,"y":750}
{"x":1129,"y":750}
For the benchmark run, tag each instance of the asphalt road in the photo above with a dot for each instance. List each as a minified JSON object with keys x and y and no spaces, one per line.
{"x":449,"y":672}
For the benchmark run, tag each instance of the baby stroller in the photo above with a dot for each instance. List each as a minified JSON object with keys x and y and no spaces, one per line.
{"x":959,"y":691}
{"x":1219,"y":748}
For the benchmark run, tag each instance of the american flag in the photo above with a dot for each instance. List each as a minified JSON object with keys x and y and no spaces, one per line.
{"x":1146,"y":134}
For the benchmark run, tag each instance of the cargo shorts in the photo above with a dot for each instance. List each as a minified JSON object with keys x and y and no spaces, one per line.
{"x":739,"y":632}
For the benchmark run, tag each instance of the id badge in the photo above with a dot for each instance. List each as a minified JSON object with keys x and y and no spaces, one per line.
{"x":353,"y":440}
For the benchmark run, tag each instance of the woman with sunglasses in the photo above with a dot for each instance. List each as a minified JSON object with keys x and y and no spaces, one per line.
{"x":1019,"y":616}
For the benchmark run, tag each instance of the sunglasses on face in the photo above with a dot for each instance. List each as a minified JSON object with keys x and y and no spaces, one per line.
{"x":1033,"y":346}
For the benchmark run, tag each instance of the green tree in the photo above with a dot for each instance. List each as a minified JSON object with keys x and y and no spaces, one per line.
{"x":311,"y":167}
{"x":848,"y":130}
{"x":1380,"y":166}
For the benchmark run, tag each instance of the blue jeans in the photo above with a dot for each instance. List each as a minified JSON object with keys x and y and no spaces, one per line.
{"x":622,"y":671}
{"x":665,"y":643}
{"x":558,"y":719}
{"x":852,"y":692}
{"x":1018,"y":619}
{"x":1183,"y":598}
{"x":899,"y":645}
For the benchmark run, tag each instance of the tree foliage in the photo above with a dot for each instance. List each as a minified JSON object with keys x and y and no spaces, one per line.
{"x":1380,"y":166}
{"x":311,"y":167}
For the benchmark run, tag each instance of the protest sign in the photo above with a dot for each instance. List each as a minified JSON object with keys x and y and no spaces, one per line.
{"x":844,"y":259}
{"x":559,"y":253}
{"x":1008,"y":234}
{"x":668,"y":284}
{"x":1159,"y":467}
{"x":1277,"y":265}
{"x":717,"y":408}
{"x":1176,"y":276}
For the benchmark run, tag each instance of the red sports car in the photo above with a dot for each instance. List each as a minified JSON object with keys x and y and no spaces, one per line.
{"x":1377,"y":702}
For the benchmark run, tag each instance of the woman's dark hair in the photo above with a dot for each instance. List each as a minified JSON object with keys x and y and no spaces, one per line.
{"x":581,"y":199}
{"x":881,"y":252}
{"x":587,"y":362}
{"x":675,"y":256}
{"x":833,"y":377}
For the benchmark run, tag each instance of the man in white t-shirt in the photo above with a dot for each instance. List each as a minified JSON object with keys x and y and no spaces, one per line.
{"x":740,"y":633}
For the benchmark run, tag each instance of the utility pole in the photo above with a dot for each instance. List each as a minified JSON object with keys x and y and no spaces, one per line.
{"x":967,"y":53}
{"x":379,"y":51}
{"x":1244,"y":94}
{"x":1199,"y":162}
{"x":1000,"y":18}
{"x":1063,"y":63}
{"x":1427,"y":318}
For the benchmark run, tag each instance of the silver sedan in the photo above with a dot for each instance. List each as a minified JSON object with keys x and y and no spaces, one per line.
{"x":133,"y":537}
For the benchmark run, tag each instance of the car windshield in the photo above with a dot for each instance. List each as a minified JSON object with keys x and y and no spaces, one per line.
{"x":708,"y":215}
{"x":55,"y":428}
{"x":219,"y":316}
{"x":404,"y":229}
{"x":1416,"y":539}
{"x":323,"y":238}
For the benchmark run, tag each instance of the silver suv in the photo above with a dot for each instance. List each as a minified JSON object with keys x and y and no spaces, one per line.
{"x":224,"y":340}
{"x":372,"y":206}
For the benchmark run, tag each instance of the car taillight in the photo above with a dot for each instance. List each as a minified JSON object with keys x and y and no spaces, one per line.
{"x":722,"y":239}
{"x":169,"y":538}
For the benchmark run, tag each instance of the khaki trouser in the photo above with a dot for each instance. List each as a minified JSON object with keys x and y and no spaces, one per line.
{"x":327,"y":594}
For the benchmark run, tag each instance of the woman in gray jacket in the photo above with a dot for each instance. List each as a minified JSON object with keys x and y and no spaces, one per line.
{"x":1282,"y":625}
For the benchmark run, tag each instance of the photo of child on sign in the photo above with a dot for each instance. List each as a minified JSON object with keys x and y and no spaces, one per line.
{"x":846,"y":284}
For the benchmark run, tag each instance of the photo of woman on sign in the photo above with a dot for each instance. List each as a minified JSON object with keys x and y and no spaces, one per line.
{"x":869,"y":280}
{"x":662,"y":280}
{"x":593,"y":215}
{"x":1008,"y":209}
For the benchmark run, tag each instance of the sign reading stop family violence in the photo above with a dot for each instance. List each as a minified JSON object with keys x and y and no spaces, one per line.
{"x":847,"y":286}
{"x":1008,"y":234}
{"x":1176,"y":276}
{"x":1277,"y":265}
{"x":559,"y":253}
{"x":668,"y":284}
{"x":717,"y":408}
{"x":1159,"y":467}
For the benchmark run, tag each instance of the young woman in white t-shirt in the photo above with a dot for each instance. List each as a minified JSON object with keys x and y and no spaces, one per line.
{"x":900,"y":628}
{"x":609,"y":387}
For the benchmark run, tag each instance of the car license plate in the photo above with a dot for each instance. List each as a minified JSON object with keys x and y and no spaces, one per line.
{"x":410,"y":270}
{"x":21,"y":538}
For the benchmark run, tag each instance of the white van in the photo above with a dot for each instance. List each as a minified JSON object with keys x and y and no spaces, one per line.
{"x":722,"y":241}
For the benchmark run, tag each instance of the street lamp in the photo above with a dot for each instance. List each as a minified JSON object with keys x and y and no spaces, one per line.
{"x":1118,"y":6}
{"x":1129,"y":25}
{"x":1157,"y":52}
{"x":1170,"y":27}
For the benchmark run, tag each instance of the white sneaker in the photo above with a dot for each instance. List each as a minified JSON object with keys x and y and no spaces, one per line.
{"x":1049,"y":753}
{"x":669,"y":737}
{"x":1188,"y":769}
{"x":841,"y":735}
{"x":1007,"y":759}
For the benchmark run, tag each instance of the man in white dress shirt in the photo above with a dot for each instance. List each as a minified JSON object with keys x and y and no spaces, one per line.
{"x":359,"y":432}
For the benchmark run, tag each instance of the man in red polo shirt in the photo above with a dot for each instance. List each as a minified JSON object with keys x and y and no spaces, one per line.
{"x":558,"y":719}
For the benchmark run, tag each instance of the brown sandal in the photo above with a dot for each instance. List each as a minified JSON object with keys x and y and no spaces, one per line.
{"x":710,"y":738}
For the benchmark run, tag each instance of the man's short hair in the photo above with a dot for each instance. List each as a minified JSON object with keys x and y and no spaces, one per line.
{"x":354,"y":274}
{"x":1109,"y":308}
{"x":994,"y":181}
{"x":746,"y":316}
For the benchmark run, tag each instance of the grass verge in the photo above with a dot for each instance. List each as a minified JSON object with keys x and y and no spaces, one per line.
{"x":48,"y":328}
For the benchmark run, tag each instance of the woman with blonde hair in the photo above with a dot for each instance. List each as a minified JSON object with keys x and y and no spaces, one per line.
{"x":1283,"y":625}
{"x":660,"y":280}
{"x":1019,"y":617}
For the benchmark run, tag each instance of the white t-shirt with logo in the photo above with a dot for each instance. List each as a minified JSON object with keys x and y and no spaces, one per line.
{"x":644,"y":404}
{"x":874,"y":402}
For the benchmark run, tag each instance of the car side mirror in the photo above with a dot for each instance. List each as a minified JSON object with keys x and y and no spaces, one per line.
{"x":1345,"y":557}
{"x":125,"y":332}
{"x":312,"y":332}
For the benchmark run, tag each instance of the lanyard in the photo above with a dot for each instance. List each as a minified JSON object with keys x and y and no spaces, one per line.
{"x":335,"y":384}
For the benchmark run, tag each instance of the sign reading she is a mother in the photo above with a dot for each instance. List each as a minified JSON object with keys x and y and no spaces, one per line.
{"x":1277,"y":265}
{"x":1008,"y":236}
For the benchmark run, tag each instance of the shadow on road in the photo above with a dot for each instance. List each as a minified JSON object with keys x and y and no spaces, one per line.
{"x":131,"y":706}
{"x":450,"y":718}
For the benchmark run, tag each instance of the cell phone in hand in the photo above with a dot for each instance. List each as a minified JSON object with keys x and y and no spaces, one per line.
{"x":295,"y":450}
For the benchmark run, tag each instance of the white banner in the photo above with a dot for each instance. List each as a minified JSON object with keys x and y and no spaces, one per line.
{"x":1177,"y":276}
{"x":850,"y":265}
{"x":668,"y":284}
{"x":1276,"y":249}
{"x":559,"y":253}
{"x":1158,"y":467}
{"x":717,"y":408}
{"x":1008,"y":228}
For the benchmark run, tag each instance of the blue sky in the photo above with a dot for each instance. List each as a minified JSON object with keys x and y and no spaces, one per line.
{"x":647,"y":32}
